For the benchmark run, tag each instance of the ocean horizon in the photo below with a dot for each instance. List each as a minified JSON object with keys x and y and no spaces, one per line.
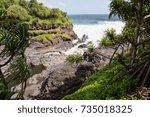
{"x":92,"y":18}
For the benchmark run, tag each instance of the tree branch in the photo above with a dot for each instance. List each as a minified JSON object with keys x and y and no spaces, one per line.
{"x":143,"y":41}
{"x":114,"y":54}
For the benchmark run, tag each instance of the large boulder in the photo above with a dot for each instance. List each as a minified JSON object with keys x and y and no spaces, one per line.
{"x":85,"y":70}
{"x":56,"y":84}
{"x":56,"y":81}
{"x":99,"y":57}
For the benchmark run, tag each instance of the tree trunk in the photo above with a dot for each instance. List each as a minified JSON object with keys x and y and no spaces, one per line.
{"x":139,"y":19}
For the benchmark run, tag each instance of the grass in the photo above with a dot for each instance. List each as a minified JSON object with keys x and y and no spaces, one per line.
{"x":67,"y":36}
{"x":48,"y":34}
{"x":56,"y":31}
{"x":44,"y":37}
{"x":74,"y":58}
{"x":50,"y":21}
{"x":54,"y":21}
{"x":97,"y":88}
{"x":36,"y":31}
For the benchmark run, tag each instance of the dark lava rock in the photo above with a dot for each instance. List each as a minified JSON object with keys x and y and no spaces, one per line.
{"x":56,"y":83}
{"x":82,"y":46}
{"x":85,"y":70}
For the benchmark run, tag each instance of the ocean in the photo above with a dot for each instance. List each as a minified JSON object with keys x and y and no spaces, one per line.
{"x":92,"y":18}
{"x":94,"y":27}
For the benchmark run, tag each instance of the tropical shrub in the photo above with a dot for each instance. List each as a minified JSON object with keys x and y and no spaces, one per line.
{"x":91,"y":48}
{"x":74,"y":58}
{"x":109,"y":38}
{"x":13,"y":42}
{"x":18,"y":12}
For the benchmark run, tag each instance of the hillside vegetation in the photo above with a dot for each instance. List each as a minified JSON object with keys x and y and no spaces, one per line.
{"x":44,"y":24}
{"x":32,"y":11}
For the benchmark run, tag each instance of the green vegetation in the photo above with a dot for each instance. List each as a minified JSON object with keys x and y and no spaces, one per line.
{"x":136,"y":33}
{"x":13,"y":42}
{"x":17,"y":12}
{"x":108,"y":38}
{"x":38,"y":31}
{"x":4,"y":92}
{"x":102,"y":85}
{"x":74,"y":59}
{"x":66,"y":36}
{"x":38,"y":9}
{"x":44,"y":37}
{"x":32,"y":11}
{"x":49,"y":21}
{"x":91,"y":48}
{"x":55,"y":31}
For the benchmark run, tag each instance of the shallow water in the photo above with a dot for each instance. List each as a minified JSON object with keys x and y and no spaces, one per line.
{"x":37,"y":69}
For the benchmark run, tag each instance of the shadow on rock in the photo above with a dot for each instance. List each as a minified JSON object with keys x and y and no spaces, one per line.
{"x":57,"y":86}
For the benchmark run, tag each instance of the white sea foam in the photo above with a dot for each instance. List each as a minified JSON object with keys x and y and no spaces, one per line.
{"x":95,"y":32}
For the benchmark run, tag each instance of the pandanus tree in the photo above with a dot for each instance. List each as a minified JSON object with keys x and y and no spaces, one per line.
{"x":13,"y":67}
{"x":136,"y":15}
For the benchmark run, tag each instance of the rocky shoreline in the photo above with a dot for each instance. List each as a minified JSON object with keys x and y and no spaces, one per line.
{"x":53,"y":78}
{"x":58,"y":78}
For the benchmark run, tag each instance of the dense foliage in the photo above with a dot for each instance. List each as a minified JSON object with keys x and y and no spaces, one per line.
{"x":13,"y":68}
{"x":18,"y":12}
{"x":98,"y":85}
{"x":136,"y":33}
{"x":31,"y":10}
{"x":109,"y":38}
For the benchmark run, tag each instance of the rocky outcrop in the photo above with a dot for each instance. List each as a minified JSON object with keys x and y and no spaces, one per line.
{"x":37,"y":26}
{"x":57,"y":83}
{"x":85,"y":70}
{"x":50,"y":83}
{"x":59,"y":35}
{"x":57,"y":80}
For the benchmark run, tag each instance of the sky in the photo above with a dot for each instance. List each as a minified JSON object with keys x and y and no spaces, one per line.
{"x":79,"y":6}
